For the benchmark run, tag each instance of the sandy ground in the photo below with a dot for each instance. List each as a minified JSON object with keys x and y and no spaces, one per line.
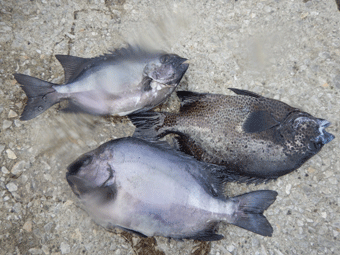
{"x":287,"y":50}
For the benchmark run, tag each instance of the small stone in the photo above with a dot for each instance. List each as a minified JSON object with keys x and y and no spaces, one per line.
{"x":4,"y":170}
{"x":45,"y":249}
{"x":6,"y":124}
{"x":10,"y":154}
{"x":11,"y":187}
{"x":19,"y":105}
{"x":324,"y":215}
{"x":230,"y":248}
{"x":18,"y":168}
{"x":64,"y":248}
{"x":311,"y":170}
{"x":336,"y":81}
{"x":2,"y":147}
{"x":288,"y":187}
{"x":35,"y":251}
{"x":27,"y":226}
{"x":68,"y":203}
{"x":12,"y":114}
{"x":17,"y":123}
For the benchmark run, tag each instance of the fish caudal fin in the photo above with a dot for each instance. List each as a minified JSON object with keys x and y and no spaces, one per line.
{"x":41,"y":95}
{"x":249,"y":214}
{"x":147,"y":124}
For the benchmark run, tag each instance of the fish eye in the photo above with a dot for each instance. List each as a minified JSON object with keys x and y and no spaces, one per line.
{"x":165,"y":58}
{"x":87,"y":160}
{"x":75,"y":166}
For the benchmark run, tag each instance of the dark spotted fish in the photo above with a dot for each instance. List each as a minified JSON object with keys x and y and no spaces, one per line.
{"x":125,"y":81}
{"x":256,"y":137}
{"x":152,"y":190}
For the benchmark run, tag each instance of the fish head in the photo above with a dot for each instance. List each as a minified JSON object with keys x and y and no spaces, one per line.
{"x":305,"y":133}
{"x":167,"y":69}
{"x":92,"y":174}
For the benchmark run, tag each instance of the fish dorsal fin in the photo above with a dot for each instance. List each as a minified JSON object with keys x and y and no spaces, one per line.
{"x":259,"y":121}
{"x":188,"y":97}
{"x":245,"y":93}
{"x":73,"y":66}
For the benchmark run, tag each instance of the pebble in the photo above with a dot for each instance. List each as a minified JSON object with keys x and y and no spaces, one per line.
{"x":10,"y":154}
{"x":17,"y":123}
{"x":64,"y":248}
{"x":12,"y":114}
{"x":11,"y":187}
{"x":4,"y":170}
{"x":336,"y":81}
{"x":288,"y":187}
{"x":6,"y":124}
{"x":18,"y":168}
{"x":35,"y":251}
{"x":2,"y":147}
{"x":45,"y":249}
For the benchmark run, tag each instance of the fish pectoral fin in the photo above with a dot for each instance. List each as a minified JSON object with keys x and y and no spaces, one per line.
{"x":208,"y":234}
{"x":188,"y":97}
{"x":134,"y":232}
{"x":259,"y":121}
{"x":245,"y":93}
{"x":73,"y":66}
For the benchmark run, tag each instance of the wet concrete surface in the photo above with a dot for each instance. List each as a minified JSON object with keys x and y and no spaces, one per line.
{"x":287,"y":50}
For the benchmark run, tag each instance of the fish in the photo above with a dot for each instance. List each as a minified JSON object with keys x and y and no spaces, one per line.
{"x":126,"y":80}
{"x":258,"y":138}
{"x":151,"y":189}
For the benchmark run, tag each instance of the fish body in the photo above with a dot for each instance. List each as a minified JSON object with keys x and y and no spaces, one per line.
{"x":125,"y":81}
{"x":152,"y":190}
{"x":256,"y":137}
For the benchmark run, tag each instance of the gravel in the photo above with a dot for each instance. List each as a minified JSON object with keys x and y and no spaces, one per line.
{"x":287,"y":50}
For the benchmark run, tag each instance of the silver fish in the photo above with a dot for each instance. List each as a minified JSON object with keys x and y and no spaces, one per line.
{"x":127,"y":80}
{"x":152,"y":190}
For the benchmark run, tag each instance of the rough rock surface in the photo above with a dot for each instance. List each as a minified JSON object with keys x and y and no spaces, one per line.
{"x":287,"y":50}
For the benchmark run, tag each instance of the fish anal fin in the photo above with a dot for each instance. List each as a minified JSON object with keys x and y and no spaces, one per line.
{"x":73,"y":66}
{"x":208,"y":234}
{"x":259,"y":121}
{"x":134,"y":232}
{"x":73,"y":108}
{"x":245,"y":92}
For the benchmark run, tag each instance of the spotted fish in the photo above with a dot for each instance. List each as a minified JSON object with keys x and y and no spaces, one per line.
{"x":256,"y":137}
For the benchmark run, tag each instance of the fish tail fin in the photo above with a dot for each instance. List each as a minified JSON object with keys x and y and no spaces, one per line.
{"x":41,"y":95}
{"x":249,"y":213}
{"x":148,"y":124}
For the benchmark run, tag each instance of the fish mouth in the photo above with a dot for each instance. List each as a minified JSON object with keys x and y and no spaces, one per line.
{"x":324,"y":137}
